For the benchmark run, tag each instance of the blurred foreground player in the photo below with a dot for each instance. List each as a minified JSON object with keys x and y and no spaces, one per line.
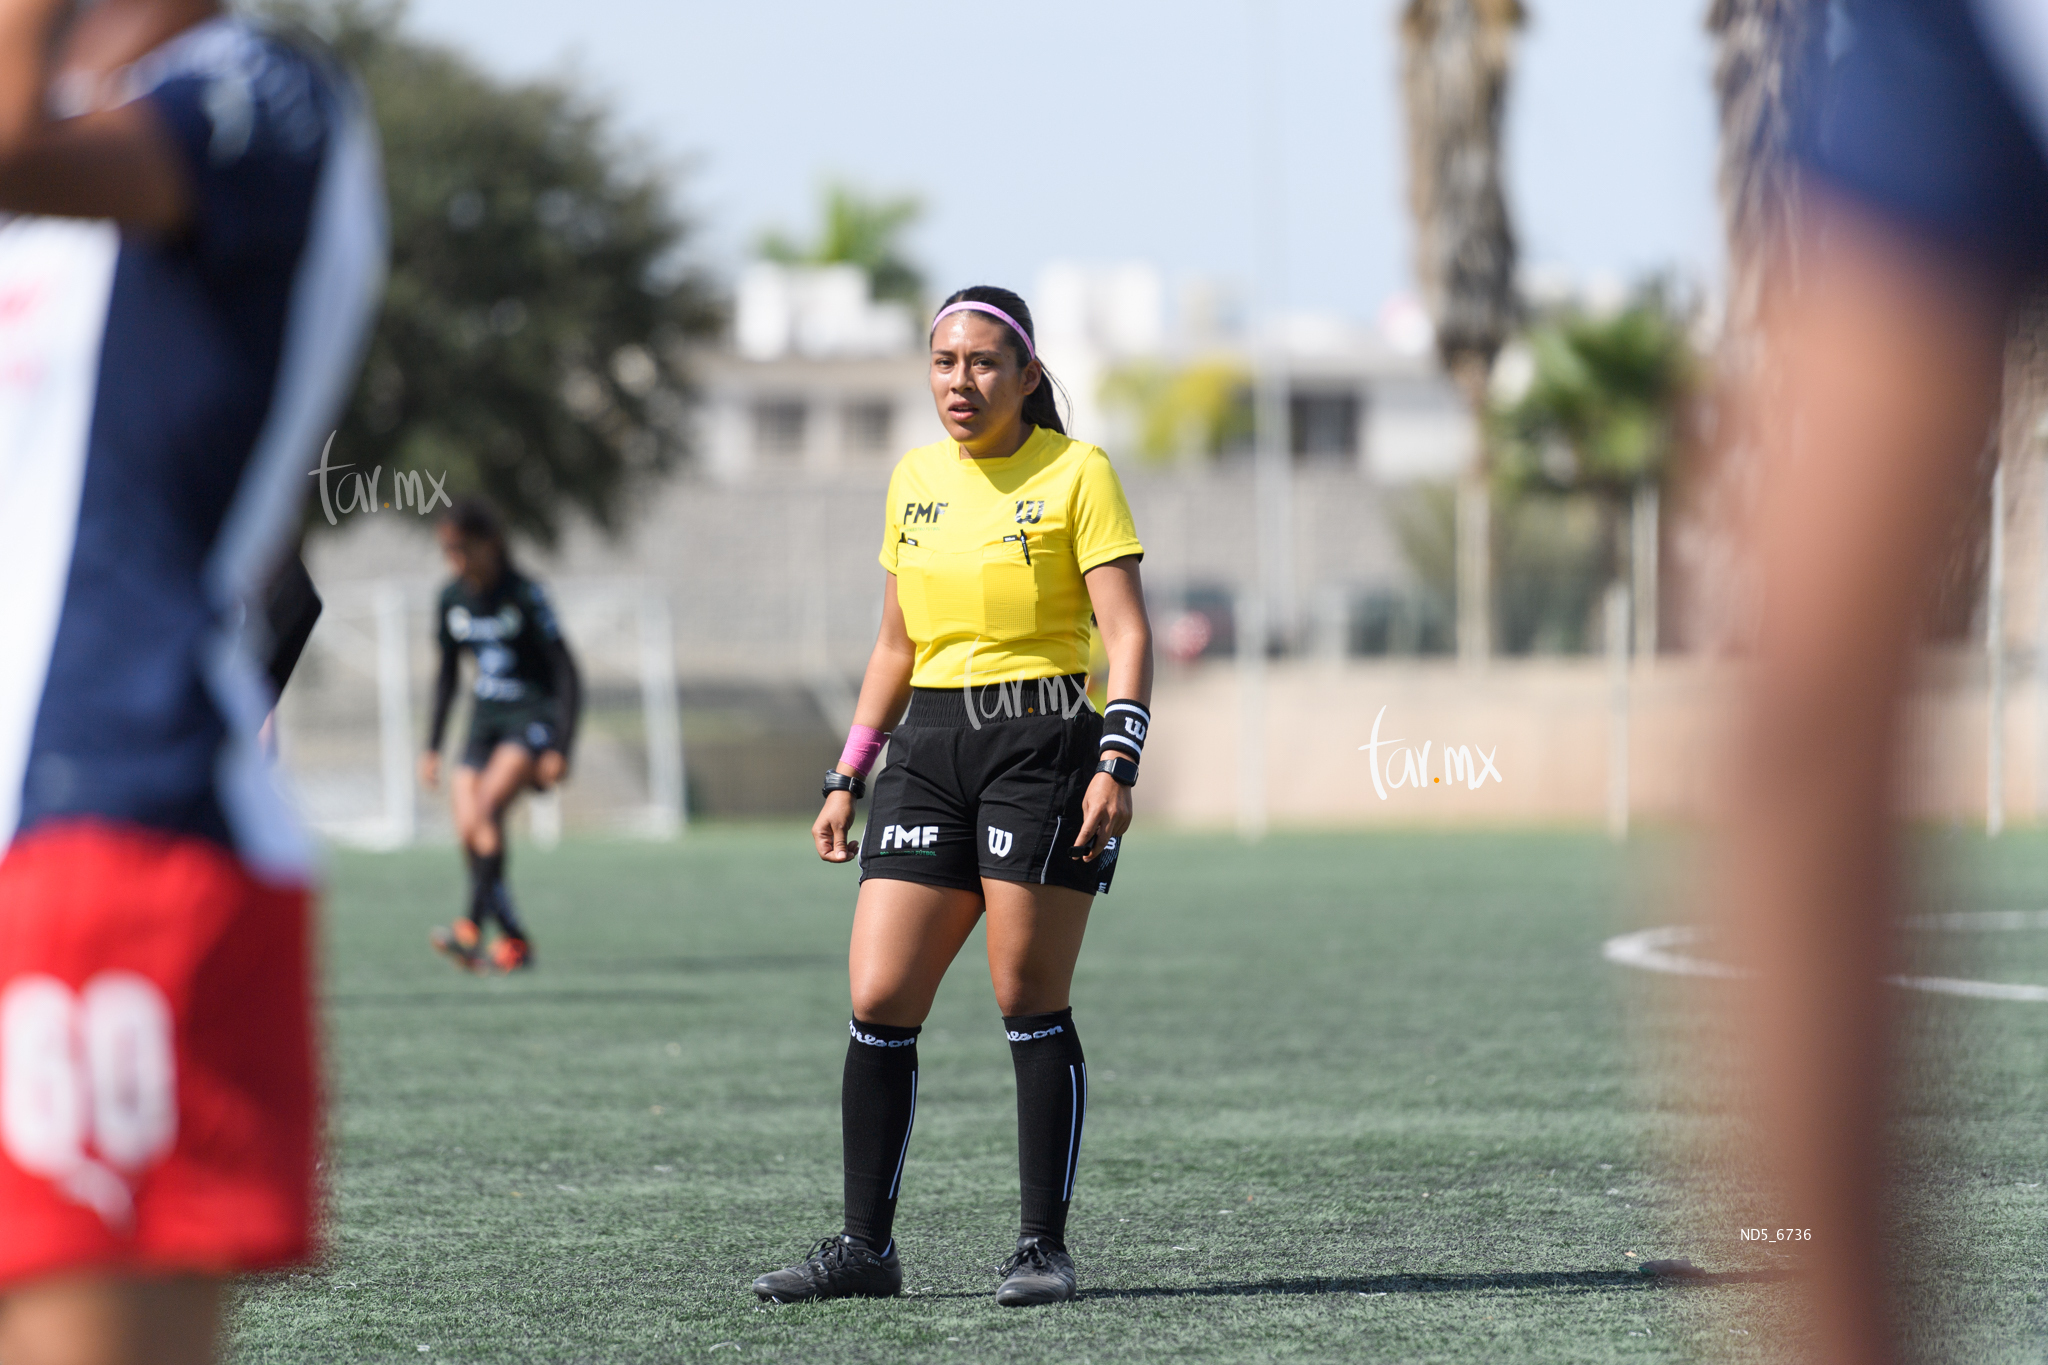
{"x":190,"y":269}
{"x":1921,"y":130}
{"x":527,"y":700}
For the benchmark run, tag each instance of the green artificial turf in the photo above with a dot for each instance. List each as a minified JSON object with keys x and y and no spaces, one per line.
{"x":1355,"y":1097}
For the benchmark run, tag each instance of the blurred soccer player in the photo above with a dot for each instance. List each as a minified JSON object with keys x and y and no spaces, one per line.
{"x":528,"y":698}
{"x":1920,"y":129}
{"x":184,"y":290}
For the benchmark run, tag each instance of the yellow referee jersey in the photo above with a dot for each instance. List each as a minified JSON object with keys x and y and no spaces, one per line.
{"x":988,"y":557}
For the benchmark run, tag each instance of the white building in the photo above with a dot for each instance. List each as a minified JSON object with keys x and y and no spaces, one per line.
{"x":823,"y":378}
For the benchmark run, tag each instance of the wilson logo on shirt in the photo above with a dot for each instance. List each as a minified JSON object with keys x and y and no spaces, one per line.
{"x":1029,"y":511}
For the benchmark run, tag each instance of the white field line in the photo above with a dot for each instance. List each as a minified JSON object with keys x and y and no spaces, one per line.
{"x":1650,"y":949}
{"x":1656,"y":950}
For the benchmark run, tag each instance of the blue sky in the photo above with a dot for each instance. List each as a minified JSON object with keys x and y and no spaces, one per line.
{"x":1105,"y":130}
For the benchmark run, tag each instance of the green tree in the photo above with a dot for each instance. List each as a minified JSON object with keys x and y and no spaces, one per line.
{"x":860,"y":231}
{"x":1603,"y":418}
{"x":538,"y":293}
{"x":1552,"y":554}
{"x":1606,"y":402}
{"x":1201,"y":408}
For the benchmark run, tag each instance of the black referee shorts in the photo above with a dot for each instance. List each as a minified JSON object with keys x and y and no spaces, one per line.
{"x":988,"y":782}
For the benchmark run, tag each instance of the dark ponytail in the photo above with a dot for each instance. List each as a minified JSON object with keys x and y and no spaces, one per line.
{"x":1041,"y":405}
{"x":475,"y":519}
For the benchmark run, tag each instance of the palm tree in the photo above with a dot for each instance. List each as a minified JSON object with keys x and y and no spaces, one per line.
{"x":1456,"y":56}
{"x":1605,"y":414}
{"x":862,"y":231}
{"x":1757,"y":48}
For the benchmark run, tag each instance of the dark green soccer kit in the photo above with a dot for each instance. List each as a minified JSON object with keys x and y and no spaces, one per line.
{"x":526,"y":686}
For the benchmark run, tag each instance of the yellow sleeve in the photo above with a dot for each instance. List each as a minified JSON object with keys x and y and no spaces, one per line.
{"x":1103,"y":529}
{"x":892,"y":528}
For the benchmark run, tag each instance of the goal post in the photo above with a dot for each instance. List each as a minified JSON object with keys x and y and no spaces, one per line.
{"x":353,"y":720}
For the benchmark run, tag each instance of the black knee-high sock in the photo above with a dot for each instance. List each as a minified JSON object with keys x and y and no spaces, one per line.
{"x":508,"y":914}
{"x":877,"y":1105}
{"x":489,"y":899}
{"x":476,"y":882}
{"x":1052,"y":1105}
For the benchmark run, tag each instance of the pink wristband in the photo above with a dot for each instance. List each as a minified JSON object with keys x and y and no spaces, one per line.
{"x":863,"y":743}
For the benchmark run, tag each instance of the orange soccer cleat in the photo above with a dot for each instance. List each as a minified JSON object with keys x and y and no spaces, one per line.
{"x":511,"y":954}
{"x":461,"y":943}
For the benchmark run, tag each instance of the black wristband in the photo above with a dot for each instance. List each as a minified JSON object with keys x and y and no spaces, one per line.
{"x":1121,"y":770}
{"x":836,"y":781}
{"x":1124,"y":726}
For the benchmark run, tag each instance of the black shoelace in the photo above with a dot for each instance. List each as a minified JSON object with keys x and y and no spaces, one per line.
{"x":1031,"y":1255}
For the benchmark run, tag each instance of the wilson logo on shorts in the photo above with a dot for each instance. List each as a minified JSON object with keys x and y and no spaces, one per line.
{"x":1000,"y":841}
{"x":909,"y":838}
{"x":88,"y":1082}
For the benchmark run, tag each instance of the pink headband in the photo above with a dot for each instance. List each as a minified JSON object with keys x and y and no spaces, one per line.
{"x":971,"y":306}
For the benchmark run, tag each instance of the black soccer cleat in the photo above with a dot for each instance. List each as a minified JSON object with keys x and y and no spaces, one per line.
{"x":1037,"y":1272}
{"x":838,"y":1268}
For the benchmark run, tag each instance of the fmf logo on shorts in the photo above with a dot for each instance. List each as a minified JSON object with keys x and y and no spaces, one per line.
{"x":913,"y":836}
{"x":1000,"y":841}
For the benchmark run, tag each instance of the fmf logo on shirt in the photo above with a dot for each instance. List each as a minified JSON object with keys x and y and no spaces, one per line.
{"x":912,"y":836}
{"x":923,"y":513}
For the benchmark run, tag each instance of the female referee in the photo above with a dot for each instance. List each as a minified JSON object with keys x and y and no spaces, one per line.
{"x":528,"y":698}
{"x":1005,"y":794}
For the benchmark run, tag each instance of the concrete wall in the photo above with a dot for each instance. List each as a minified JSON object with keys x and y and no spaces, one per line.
{"x":1547,"y":724}
{"x":1544,"y":722}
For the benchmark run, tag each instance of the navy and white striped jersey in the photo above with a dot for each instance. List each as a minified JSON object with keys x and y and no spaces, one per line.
{"x":161,"y":400}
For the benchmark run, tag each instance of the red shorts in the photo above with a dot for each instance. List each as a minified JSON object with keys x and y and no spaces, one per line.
{"x":157,"y":1102}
